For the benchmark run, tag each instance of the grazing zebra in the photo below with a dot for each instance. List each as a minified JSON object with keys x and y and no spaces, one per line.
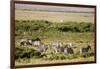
{"x":24,"y":42}
{"x":68,"y":50}
{"x":56,"y":49}
{"x":85,"y":49}
{"x":56,"y":46}
{"x":34,"y":42}
{"x":42,"y":49}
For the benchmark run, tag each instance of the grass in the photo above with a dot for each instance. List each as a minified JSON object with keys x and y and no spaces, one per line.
{"x":54,"y":16}
{"x":65,"y":37}
{"x":41,"y":61}
{"x":79,"y":40}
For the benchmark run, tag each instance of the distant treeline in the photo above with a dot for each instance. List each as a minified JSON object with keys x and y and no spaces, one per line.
{"x":44,"y":26}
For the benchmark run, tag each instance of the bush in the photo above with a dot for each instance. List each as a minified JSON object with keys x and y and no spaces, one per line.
{"x":76,"y":27}
{"x":60,"y":56}
{"x":34,"y":25}
{"x":88,"y":54}
{"x":25,"y":52}
{"x":44,"y":26}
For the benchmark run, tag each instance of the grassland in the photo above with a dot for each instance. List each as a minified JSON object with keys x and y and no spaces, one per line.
{"x":77,"y":28}
{"x":41,"y":61}
{"x":54,"y":16}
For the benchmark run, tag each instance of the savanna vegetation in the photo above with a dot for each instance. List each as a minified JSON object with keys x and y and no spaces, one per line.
{"x":44,"y":26}
{"x":77,"y":28}
{"x":79,"y":33}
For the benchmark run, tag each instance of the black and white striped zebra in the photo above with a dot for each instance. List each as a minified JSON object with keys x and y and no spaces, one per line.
{"x":85,"y":49}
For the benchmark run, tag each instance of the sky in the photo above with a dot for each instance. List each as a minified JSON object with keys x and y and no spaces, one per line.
{"x":53,"y":8}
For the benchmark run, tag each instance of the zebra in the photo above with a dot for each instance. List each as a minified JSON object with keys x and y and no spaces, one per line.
{"x":85,"y":49}
{"x":24,"y":42}
{"x":56,"y":49}
{"x":56,"y":46}
{"x":42,"y":49}
{"x":33,"y":42}
{"x":59,"y":47}
{"x":68,"y":49}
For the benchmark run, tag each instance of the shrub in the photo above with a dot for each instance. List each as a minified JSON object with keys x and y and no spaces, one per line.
{"x":25,"y":52}
{"x":42,"y":25}
{"x":76,"y":27}
{"x":88,"y":54}
{"x":34,"y":25}
{"x":60,"y":56}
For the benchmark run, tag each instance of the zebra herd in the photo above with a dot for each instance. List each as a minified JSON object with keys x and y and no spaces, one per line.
{"x":56,"y":47}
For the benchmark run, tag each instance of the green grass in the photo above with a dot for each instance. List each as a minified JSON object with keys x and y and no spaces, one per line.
{"x":79,"y":40}
{"x":65,"y":37}
{"x":51,"y":57}
{"x":33,"y":61}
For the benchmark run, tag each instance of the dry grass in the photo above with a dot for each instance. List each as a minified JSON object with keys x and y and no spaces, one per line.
{"x":54,"y":16}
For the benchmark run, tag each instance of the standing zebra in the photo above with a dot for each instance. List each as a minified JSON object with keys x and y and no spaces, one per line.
{"x":56,"y":46}
{"x":85,"y":49}
{"x":34,"y":42}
